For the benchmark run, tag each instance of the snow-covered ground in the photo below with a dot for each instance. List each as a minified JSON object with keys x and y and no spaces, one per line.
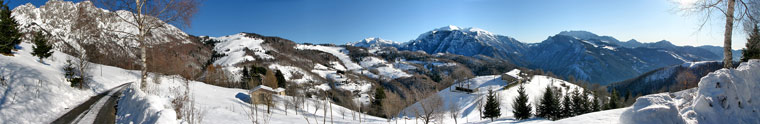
{"x":38,"y":93}
{"x":24,"y":100}
{"x":468,"y":102}
{"x":339,"y":52}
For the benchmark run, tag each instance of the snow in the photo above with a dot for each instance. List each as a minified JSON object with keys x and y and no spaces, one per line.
{"x":26,"y":101}
{"x":609,"y":47}
{"x":235,"y":46}
{"x":289,"y":71}
{"x":723,"y":96}
{"x":374,"y":42}
{"x":384,"y":69}
{"x":335,"y":51}
{"x":91,"y":114}
{"x":514,"y":73}
{"x":695,"y":64}
{"x":448,"y":28}
{"x":32,"y":86}
{"x":137,"y":106}
{"x":600,"y":117}
{"x":653,"y":109}
{"x":592,"y":44}
{"x":59,"y":18}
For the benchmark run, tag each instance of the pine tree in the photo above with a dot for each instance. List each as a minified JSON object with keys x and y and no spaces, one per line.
{"x":567,"y":106}
{"x":595,"y":104}
{"x":578,"y":103}
{"x":9,"y":33}
{"x":245,"y":78}
{"x":280,"y":79}
{"x":752,"y":50}
{"x":549,"y":106}
{"x":492,"y":109}
{"x":41,"y":49}
{"x":613,"y":102}
{"x":522,"y":109}
{"x":379,"y":96}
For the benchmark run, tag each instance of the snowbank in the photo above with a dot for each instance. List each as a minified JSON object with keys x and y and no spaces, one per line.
{"x":723,"y":96}
{"x":653,"y":109}
{"x":135,"y":106}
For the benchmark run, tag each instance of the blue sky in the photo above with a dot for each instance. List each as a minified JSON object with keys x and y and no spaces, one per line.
{"x":341,"y":21}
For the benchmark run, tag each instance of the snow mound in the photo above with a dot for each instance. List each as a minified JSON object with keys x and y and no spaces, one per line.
{"x":723,"y":96}
{"x":653,"y":109}
{"x":138,"y":107}
{"x":729,"y":93}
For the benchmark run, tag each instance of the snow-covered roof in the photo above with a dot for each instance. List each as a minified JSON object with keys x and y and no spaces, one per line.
{"x":262,"y":87}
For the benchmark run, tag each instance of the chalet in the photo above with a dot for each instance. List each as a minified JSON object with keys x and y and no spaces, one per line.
{"x":259,"y":93}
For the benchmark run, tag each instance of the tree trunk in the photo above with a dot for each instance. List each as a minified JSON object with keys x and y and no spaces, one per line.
{"x":141,"y":37}
{"x":727,"y":55}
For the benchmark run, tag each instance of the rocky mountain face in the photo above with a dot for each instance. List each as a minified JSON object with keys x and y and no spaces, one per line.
{"x":106,"y":37}
{"x":467,"y":42}
{"x":579,"y":54}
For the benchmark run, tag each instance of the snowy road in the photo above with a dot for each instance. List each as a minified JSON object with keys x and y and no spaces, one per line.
{"x":97,"y":110}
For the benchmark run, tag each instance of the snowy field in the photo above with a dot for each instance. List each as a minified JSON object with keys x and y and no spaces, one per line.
{"x":38,"y":93}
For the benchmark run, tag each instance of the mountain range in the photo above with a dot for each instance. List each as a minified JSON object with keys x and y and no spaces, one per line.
{"x":578,"y":54}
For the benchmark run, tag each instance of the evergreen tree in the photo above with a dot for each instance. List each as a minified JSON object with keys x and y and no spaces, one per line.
{"x":379,"y":96}
{"x":280,"y":79}
{"x":567,"y":106}
{"x":522,"y":109}
{"x":578,"y":103}
{"x":549,"y":106}
{"x":245,"y":78}
{"x":613,"y":102}
{"x":753,"y":46}
{"x":41,"y":49}
{"x":595,"y":104}
{"x":9,"y":33}
{"x":492,"y":109}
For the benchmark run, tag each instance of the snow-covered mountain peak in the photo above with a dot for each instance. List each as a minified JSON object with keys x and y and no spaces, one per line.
{"x":579,"y":34}
{"x":448,"y":28}
{"x":374,"y":42}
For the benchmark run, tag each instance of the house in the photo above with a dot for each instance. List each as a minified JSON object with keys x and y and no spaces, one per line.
{"x":508,"y":78}
{"x":263,"y":94}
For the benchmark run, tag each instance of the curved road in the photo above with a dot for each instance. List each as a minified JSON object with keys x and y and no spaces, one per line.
{"x":100,"y":109}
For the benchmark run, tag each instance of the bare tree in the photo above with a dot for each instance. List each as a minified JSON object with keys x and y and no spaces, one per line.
{"x":317,"y":105}
{"x":480,"y":108}
{"x":83,"y":69}
{"x":147,"y":15}
{"x":734,"y":11}
{"x":391,"y":105}
{"x":431,"y":108}
{"x":454,"y":110}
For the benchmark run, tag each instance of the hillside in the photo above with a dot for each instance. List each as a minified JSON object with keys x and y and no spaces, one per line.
{"x":468,"y":102}
{"x":666,"y":79}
